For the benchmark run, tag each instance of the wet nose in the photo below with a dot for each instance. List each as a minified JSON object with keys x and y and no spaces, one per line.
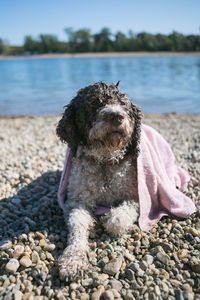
{"x":116,"y":117}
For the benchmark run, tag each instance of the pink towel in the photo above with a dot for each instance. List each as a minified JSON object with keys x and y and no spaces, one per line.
{"x":160,"y":181}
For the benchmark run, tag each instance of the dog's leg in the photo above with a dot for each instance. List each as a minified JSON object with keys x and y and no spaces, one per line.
{"x":121,"y":218}
{"x":73,"y":262}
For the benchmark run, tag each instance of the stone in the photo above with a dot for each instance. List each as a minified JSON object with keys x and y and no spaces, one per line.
{"x":129,"y":296}
{"x":167,"y":247}
{"x":162,"y":257}
{"x":113,"y":266}
{"x":129,"y":274}
{"x":148,"y":259}
{"x":107,"y":295}
{"x":103,"y":277}
{"x":129,"y":256}
{"x":16,"y":201}
{"x":178,"y":294}
{"x":182,"y":253}
{"x":196,"y":268}
{"x":18,"y":295}
{"x":12,"y":265}
{"x":25,"y":261}
{"x":35,"y":257}
{"x":42,"y":243}
{"x":5,"y":244}
{"x":74,"y":286}
{"x":97,"y":294}
{"x":87,"y":281}
{"x":115,"y":284}
{"x":143,"y":265}
{"x":115,"y":293}
{"x":83,"y":296}
{"x":49,"y":247}
{"x":157,"y":290}
{"x":194,"y":231}
{"x":134,"y":266}
{"x":18,"y":250}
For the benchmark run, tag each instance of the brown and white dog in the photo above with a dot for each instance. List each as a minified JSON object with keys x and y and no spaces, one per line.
{"x":102,"y":128}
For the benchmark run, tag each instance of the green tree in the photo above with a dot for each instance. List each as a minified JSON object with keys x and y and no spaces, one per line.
{"x":120,"y":42}
{"x":163,"y":42}
{"x":102,"y":41}
{"x":80,"y":40}
{"x":48,"y":43}
{"x":1,"y":46}
{"x":30,"y":45}
{"x":177,"y":40}
{"x":145,"y":42}
{"x":4,"y":47}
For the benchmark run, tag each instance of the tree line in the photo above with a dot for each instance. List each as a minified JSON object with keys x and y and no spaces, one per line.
{"x":82,"y":40}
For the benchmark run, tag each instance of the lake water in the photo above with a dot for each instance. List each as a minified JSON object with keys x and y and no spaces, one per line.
{"x":44,"y":86}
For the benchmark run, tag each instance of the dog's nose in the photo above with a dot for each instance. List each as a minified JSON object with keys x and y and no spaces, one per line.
{"x":116,"y":117}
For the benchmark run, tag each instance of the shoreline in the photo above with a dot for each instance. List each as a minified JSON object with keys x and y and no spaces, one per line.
{"x":56,"y":116}
{"x":146,"y":115}
{"x":102,"y":55}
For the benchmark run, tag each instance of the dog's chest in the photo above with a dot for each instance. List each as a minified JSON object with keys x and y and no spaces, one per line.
{"x":107,"y":185}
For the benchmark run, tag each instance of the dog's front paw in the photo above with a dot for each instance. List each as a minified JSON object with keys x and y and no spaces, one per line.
{"x":116,"y":224}
{"x":72,"y":263}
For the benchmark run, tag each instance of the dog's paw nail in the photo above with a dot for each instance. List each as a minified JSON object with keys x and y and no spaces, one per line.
{"x":72,"y":264}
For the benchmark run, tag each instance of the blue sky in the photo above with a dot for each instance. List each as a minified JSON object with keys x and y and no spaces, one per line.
{"x":22,"y":17}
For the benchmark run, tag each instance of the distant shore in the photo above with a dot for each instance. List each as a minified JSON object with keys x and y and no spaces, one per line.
{"x":100,"y":54}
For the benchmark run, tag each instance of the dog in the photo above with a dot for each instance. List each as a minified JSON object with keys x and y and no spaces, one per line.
{"x":102,"y":128}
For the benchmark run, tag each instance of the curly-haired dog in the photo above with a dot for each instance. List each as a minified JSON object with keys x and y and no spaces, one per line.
{"x":102,"y":129}
{"x":113,"y":165}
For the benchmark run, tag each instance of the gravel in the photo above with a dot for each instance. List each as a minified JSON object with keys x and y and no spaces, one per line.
{"x":161,"y":264}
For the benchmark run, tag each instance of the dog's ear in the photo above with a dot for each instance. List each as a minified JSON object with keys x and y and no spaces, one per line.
{"x":137,"y":115}
{"x":66,"y":128}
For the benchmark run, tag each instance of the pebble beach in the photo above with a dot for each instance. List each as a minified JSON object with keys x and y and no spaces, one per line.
{"x":161,"y":264}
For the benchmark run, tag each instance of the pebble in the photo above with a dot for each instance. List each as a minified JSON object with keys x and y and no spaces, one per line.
{"x":74,"y":286}
{"x":97,"y":294}
{"x":103,"y":277}
{"x":42,"y":243}
{"x":129,"y":296}
{"x":25,"y":261}
{"x":143,"y":265}
{"x":12,"y":265}
{"x":113,"y":266}
{"x":196,"y":268}
{"x":18,"y":295}
{"x":183,"y":253}
{"x":107,"y":295}
{"x":134,"y":266}
{"x":164,"y":258}
{"x":115,"y":284}
{"x":49,"y":247}
{"x":5,"y":244}
{"x":130,"y":275}
{"x":18,"y":250}
{"x":148,"y":259}
{"x":35,"y":257}
{"x":179,"y":294}
{"x":129,"y":256}
{"x":87,"y":282}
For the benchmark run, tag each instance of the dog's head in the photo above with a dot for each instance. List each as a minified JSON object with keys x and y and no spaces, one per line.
{"x":101,"y":117}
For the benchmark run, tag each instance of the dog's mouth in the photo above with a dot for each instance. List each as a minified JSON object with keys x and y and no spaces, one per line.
{"x":119,"y":132}
{"x":116,"y":132}
{"x":115,"y":139}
